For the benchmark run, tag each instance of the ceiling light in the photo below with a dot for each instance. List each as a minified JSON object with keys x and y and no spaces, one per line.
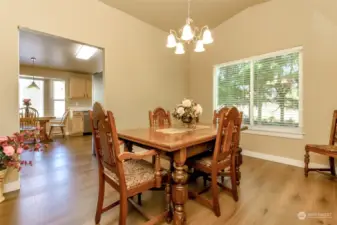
{"x":85,"y":52}
{"x":199,"y":47}
{"x":180,"y":49}
{"x":171,"y":41}
{"x":33,"y":84}
{"x":189,"y":34}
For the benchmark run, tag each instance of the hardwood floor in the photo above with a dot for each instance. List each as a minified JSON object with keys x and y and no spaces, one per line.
{"x":61,"y":189}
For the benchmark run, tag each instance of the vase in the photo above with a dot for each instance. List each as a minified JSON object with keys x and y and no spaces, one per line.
{"x":2,"y":182}
{"x":188,"y":122}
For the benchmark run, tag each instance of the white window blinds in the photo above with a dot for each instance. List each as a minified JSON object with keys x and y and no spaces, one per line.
{"x":266,"y":88}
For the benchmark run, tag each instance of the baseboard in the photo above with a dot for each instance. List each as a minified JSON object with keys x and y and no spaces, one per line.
{"x":12,"y":186}
{"x":280,"y":159}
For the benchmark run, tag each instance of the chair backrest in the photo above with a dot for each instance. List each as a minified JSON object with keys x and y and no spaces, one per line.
{"x":333,"y":131}
{"x":106,"y":141}
{"x":28,"y":112}
{"x":159,"y":117}
{"x":217,"y":113}
{"x":64,"y":117}
{"x":28,"y":116}
{"x":227,"y":135}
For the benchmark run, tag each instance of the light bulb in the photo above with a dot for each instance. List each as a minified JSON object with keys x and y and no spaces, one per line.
{"x":207,"y":37}
{"x":179,"y":49}
{"x":171,"y":41}
{"x":199,"y":47}
{"x":187,"y":33}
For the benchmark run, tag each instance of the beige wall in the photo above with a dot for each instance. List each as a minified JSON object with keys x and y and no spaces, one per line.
{"x":269,"y":27}
{"x":140,"y":73}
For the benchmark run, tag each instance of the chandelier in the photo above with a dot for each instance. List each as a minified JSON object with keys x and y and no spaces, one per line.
{"x":188,"y":35}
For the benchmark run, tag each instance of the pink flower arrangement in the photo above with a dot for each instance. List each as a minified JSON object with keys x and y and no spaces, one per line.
{"x":12,"y":147}
{"x":27,"y":102}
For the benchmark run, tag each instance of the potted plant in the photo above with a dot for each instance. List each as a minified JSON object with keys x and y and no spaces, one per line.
{"x":187,"y":112}
{"x":10,"y":150}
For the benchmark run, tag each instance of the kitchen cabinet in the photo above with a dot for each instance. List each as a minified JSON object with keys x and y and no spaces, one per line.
{"x":80,"y":88}
{"x":77,"y":119}
{"x":88,"y":88}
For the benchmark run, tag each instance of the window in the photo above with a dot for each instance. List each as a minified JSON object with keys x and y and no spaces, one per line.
{"x":36,"y":95}
{"x":267,"y":89}
{"x":59,"y":98}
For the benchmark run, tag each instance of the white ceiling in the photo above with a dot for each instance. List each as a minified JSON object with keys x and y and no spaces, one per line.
{"x":171,"y":14}
{"x":55,"y":52}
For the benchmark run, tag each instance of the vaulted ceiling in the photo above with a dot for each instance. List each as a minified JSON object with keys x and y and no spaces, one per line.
{"x":171,"y":14}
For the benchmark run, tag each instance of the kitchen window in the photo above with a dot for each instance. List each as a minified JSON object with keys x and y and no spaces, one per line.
{"x":267,"y":89}
{"x":59,"y":98}
{"x":36,"y":95}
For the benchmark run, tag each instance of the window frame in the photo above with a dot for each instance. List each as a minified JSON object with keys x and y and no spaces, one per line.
{"x":287,"y":132}
{"x":58,"y":99}
{"x":30,"y":77}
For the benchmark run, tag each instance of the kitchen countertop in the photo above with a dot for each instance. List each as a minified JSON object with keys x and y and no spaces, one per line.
{"x":77,"y":108}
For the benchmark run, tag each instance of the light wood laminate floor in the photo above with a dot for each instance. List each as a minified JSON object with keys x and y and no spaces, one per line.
{"x":61,"y":189}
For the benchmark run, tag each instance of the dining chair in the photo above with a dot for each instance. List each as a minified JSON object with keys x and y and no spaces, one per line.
{"x":28,"y":118}
{"x":223,"y":157}
{"x":61,"y":124}
{"x":238,"y":157}
{"x":329,"y":150}
{"x":159,"y":117}
{"x":126,"y":172}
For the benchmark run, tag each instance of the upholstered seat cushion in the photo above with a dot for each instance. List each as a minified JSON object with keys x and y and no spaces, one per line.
{"x":207,"y":160}
{"x":136,"y":172}
{"x":330,"y":148}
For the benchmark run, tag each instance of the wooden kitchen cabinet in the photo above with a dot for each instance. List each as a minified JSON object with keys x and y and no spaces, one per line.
{"x":77,"y":119}
{"x":80,"y":88}
{"x":88,"y":88}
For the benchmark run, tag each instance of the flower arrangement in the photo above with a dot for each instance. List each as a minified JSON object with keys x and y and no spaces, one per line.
{"x":188,"y":111}
{"x":27,"y":102}
{"x":12,"y":147}
{"x":10,"y":150}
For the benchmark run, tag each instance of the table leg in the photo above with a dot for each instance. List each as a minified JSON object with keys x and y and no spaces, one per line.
{"x":179,"y":188}
{"x":43,"y":133}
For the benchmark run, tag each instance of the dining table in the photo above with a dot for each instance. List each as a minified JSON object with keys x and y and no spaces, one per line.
{"x":43,"y":120}
{"x":179,"y":143}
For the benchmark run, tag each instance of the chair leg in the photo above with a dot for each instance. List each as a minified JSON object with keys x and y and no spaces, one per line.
{"x":233,"y":180}
{"x":123,"y":210}
{"x":50,"y":131}
{"x":306,"y":163}
{"x":100,"y":200}
{"x":139,"y":199}
{"x":215,"y":195}
{"x":204,"y":177}
{"x":62,"y":129}
{"x":332,"y":166}
{"x":223,"y":178}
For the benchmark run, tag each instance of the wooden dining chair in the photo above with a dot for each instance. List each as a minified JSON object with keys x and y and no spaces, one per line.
{"x":61,"y":124}
{"x":223,"y":158}
{"x":329,"y":150}
{"x":126,"y":172}
{"x":28,"y":118}
{"x":159,"y":117}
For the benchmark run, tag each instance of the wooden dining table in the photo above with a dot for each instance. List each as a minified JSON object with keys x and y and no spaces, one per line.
{"x":180,"y":144}
{"x":43,"y":120}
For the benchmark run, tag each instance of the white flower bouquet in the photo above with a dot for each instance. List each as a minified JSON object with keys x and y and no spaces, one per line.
{"x":188,"y":111}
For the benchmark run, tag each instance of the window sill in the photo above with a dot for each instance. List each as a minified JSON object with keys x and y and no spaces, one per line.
{"x":282,"y":134}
